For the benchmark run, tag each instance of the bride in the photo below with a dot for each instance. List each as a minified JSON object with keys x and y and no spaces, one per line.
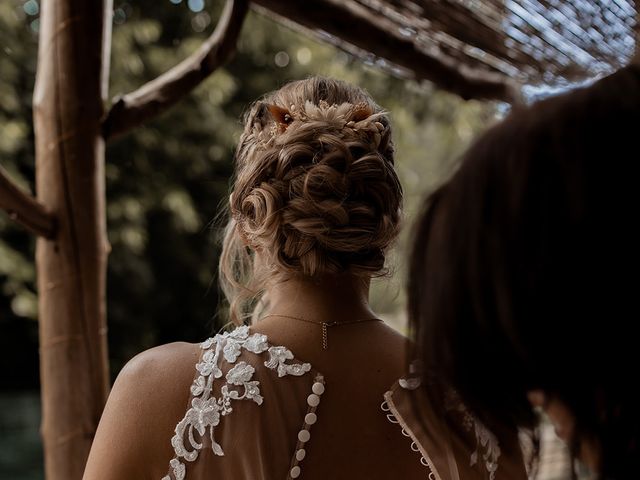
{"x":315,"y":205}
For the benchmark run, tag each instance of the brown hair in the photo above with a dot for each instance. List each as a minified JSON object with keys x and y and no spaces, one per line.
{"x":315,"y":190}
{"x":524,"y":268}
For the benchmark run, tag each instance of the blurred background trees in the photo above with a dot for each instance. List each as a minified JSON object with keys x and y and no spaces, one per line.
{"x":167,"y":181}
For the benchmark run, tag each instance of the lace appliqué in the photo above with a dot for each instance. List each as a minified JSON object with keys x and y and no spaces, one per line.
{"x":485,"y":439}
{"x":206,"y":410}
{"x":277,"y":360}
{"x":489,"y":442}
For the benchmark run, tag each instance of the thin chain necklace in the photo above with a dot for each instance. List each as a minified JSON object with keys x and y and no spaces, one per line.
{"x":325,"y":325}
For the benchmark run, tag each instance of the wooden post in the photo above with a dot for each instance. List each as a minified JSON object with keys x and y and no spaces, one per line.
{"x":70,"y":90}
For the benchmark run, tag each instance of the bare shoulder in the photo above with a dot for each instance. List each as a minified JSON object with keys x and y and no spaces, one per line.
{"x":148,"y":399}
{"x":396,"y":342}
{"x":157,"y":380}
{"x":159,"y":366}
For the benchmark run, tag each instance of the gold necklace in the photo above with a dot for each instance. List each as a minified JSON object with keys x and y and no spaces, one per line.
{"x":325,"y":325}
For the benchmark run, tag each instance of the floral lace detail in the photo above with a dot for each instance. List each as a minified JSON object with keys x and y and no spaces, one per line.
{"x":206,"y":410}
{"x":484,"y":437}
{"x":489,"y":442}
{"x":277,"y":358}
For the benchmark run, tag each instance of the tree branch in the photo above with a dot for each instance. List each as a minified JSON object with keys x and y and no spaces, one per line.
{"x":25,"y":209}
{"x":156,"y":96}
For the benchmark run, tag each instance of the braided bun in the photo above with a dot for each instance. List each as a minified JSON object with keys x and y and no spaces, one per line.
{"x":315,"y":191}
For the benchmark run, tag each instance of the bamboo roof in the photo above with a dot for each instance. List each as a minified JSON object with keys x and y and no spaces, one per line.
{"x":476,"y":48}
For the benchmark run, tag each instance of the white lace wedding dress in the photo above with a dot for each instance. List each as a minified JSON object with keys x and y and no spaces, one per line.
{"x":245,"y":387}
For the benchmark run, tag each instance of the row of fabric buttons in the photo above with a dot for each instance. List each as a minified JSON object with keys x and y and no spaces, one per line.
{"x":310,"y":418}
{"x":414,"y":446}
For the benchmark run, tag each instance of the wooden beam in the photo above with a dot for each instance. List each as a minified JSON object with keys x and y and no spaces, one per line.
{"x":156,"y":96}
{"x":25,"y":209}
{"x":354,"y":24}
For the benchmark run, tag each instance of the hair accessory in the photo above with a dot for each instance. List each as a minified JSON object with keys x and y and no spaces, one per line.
{"x":355,"y":119}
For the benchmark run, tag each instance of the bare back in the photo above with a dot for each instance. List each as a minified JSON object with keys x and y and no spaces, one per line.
{"x":267,"y":433}
{"x":257,"y":411}
{"x":353,"y":437}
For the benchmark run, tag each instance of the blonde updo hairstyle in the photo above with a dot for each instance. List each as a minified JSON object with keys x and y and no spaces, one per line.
{"x":315,"y":190}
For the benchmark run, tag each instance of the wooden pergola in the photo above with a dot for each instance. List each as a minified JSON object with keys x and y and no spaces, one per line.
{"x":476,"y":48}
{"x":485,"y":49}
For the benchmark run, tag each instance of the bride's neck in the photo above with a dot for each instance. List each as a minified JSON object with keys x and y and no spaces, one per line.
{"x":339,"y":297}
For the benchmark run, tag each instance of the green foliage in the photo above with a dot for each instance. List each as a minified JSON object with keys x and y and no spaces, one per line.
{"x":21,"y":452}
{"x":18,"y":305}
